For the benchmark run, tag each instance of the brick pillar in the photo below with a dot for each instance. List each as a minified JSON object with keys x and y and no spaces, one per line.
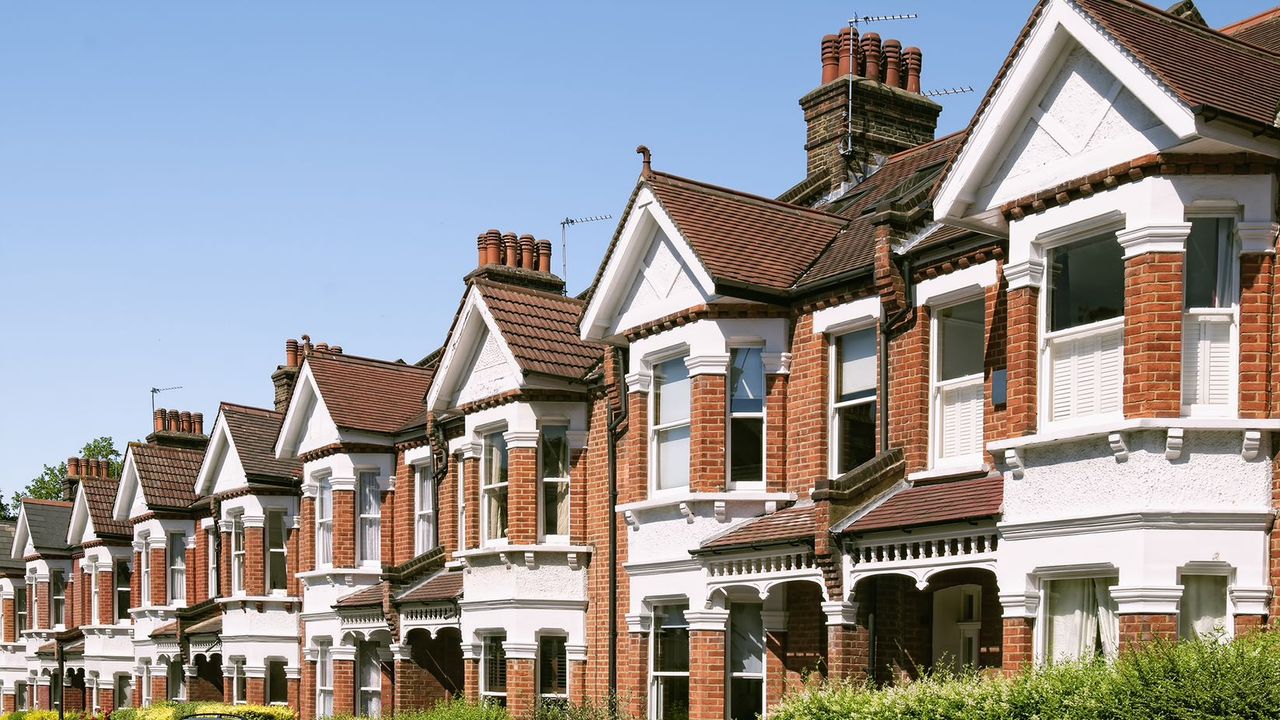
{"x":471,"y":491}
{"x":848,"y":652}
{"x":633,"y":673}
{"x":307,"y":702}
{"x":447,"y":507}
{"x":909,"y":391}
{"x":775,"y":432}
{"x":107,"y":699}
{"x":224,"y":568}
{"x":521,"y":692}
{"x":159,"y":685}
{"x":1138,"y":630}
{"x":255,"y":690}
{"x":578,"y":488}
{"x":159,"y":578}
{"x":1245,"y":624}
{"x":1022,"y":354}
{"x":135,"y":688}
{"x":10,"y":702}
{"x":775,"y":662}
{"x":636,"y":487}
{"x":471,"y":678}
{"x":1017,"y":648}
{"x":995,"y":418}
{"x":1256,"y":337}
{"x":344,"y":528}
{"x":8,"y":609}
{"x":44,"y":696}
{"x":806,"y":402}
{"x":43,"y":606}
{"x":344,"y":679}
{"x":293,"y":690}
{"x":292,"y":541}
{"x":577,"y":681}
{"x":135,"y":581}
{"x":307,"y":539}
{"x":1153,"y":335}
{"x":522,"y":488}
{"x":198,"y":568}
{"x":254,"y":561}
{"x":707,"y":441}
{"x":706,"y":674}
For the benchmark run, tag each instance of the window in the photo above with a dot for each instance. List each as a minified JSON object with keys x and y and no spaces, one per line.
{"x":493,"y":478}
{"x":853,"y":407}
{"x":324,"y":523}
{"x":370,"y":517}
{"x":1209,"y":323}
{"x":957,"y":621}
{"x":146,"y":685}
{"x":1203,"y":610}
{"x":93,"y":595}
{"x":239,"y":683}
{"x":177,"y":567}
{"x":493,"y":670}
{"x":20,"y":610}
{"x":277,"y":532}
{"x":174,"y":687}
{"x":671,"y":424}
{"x":553,"y":670}
{"x":1086,"y":330}
{"x":958,"y":337}
{"x":554,"y":497}
{"x":1081,"y":619}
{"x":746,"y":416}
{"x":123,"y":691}
{"x":324,"y":680}
{"x":55,"y":691}
{"x":669,"y":663}
{"x":461,"y":530}
{"x":424,"y":532}
{"x":746,"y":662}
{"x":58,"y":597}
{"x":369,"y":702}
{"x":123,"y":578}
{"x":211,"y":562}
{"x":145,"y":571}
{"x":277,"y":690}
{"x":20,"y":699}
{"x":237,"y":554}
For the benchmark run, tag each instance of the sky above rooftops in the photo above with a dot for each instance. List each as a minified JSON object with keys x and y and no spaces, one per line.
{"x":186,"y":185}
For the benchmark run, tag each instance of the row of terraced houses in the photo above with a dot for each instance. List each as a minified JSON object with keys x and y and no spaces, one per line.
{"x":991,"y":399}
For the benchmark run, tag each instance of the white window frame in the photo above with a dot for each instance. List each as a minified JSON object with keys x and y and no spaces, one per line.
{"x":272,"y":552}
{"x":177,"y":570}
{"x":324,"y":521}
{"x":655,"y":429}
{"x":324,"y":678}
{"x":368,"y":695}
{"x":57,"y":597}
{"x":268,"y":686}
{"x":175,"y":692}
{"x":239,"y":682}
{"x":834,"y":404}
{"x":122,"y":584}
{"x":764,"y":659}
{"x":1040,"y":630}
{"x":937,"y":386}
{"x":424,"y":508}
{"x":93,"y":593}
{"x":1211,"y":569}
{"x":487,"y":487}
{"x":537,"y":679}
{"x":1229,"y":255}
{"x":654,"y":675}
{"x":562,"y":537}
{"x":21,"y":695}
{"x":487,"y":695}
{"x":461,"y":481}
{"x":368,"y":519}
{"x":144,"y":573}
{"x":211,"y":539}
{"x":122,"y":696}
{"x":237,"y":554}
{"x":146,"y":684}
{"x":21,"y":611}
{"x":762,"y":416}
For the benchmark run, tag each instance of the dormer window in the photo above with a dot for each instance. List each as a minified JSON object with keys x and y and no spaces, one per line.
{"x":493,"y":480}
{"x":853,"y":401}
{"x":1085,"y":339}
{"x":670,"y":433}
{"x":746,"y":417}
{"x":1209,"y":325}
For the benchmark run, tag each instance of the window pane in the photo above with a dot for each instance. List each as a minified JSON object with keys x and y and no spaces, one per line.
{"x":277,"y":688}
{"x":496,"y":507}
{"x":555,"y":452}
{"x":370,"y":497}
{"x":552,"y":666}
{"x":1086,"y":282}
{"x":746,"y":698}
{"x":673,"y":698}
{"x":746,"y":641}
{"x":672,"y":449}
{"x":555,"y":508}
{"x":857,"y":435}
{"x":1204,"y":259}
{"x":672,"y":382}
{"x":746,"y":382}
{"x":671,"y":648}
{"x":1203,"y":610}
{"x":960,"y":341}
{"x":856,"y":365}
{"x":747,"y":445}
{"x":495,"y":664}
{"x":495,"y":458}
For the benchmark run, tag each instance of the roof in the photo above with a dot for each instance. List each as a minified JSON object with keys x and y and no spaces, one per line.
{"x":168,"y":474}
{"x":446,"y":585}
{"x":211,"y":625}
{"x":1262,"y":30}
{"x":744,"y":238}
{"x":47,"y":523}
{"x":7,"y":530}
{"x":932,"y":504}
{"x":371,"y":595}
{"x":100,"y":496}
{"x":165,"y":630}
{"x":254,"y":432}
{"x":540,"y":328}
{"x":365,"y":394}
{"x":793,"y":523}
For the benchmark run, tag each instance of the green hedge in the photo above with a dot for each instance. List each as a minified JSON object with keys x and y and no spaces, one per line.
{"x":178,"y":711}
{"x":466,"y":710}
{"x":1163,"y":681}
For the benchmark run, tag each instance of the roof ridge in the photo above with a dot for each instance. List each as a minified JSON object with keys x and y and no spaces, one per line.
{"x":524,"y":290}
{"x":771,"y":202}
{"x":257,"y":410}
{"x":1184,"y":23}
{"x":361,"y":360}
{"x":920,"y":148}
{"x":1249,"y":22}
{"x":41,"y":501}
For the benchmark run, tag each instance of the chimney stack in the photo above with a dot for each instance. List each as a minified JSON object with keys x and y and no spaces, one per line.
{"x":174,"y":429}
{"x":283,"y":378}
{"x":73,"y":467}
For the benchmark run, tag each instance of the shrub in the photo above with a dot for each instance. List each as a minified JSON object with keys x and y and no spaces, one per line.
{"x":456,"y":709}
{"x":178,"y":711}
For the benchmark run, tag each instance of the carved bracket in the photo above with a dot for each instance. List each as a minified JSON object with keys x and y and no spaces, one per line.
{"x":574,"y":560}
{"x":722,"y":511}
{"x":1173,"y":444}
{"x":686,"y":510}
{"x":1252,"y":445}
{"x":1013,"y":458}
{"x":631,"y":520}
{"x":1118,"y":446}
{"x":530,"y":561}
{"x":505,"y":558}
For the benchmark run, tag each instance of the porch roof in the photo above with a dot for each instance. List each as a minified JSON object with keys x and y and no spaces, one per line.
{"x":953,"y":501}
{"x":446,"y":585}
{"x":170,"y":629}
{"x":795,"y":523}
{"x":371,"y":595}
{"x":212,"y":625}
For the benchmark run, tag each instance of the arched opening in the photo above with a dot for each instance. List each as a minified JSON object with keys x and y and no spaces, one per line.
{"x":433,"y":669}
{"x":207,"y":683}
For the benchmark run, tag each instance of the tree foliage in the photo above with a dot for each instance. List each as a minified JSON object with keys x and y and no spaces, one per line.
{"x":48,"y":484}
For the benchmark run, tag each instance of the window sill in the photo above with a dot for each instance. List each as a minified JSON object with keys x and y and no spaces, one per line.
{"x":676,"y":498}
{"x":326,"y":576}
{"x":526,"y":555}
{"x":236,"y":599}
{"x":1084,"y":430}
{"x":950,"y":468}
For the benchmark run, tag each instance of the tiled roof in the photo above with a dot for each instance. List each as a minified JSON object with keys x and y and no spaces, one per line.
{"x":941,"y":235}
{"x":541,"y":328}
{"x":446,"y":585}
{"x":7,"y":530}
{"x":100,"y":496}
{"x":205,"y":627}
{"x":793,"y":523}
{"x":165,"y":630}
{"x":745,"y":238}
{"x":47,"y":523}
{"x":1262,"y":30}
{"x":168,"y":474}
{"x":371,"y":595}
{"x":932,"y":504}
{"x":373,"y":395}
{"x":254,"y":432}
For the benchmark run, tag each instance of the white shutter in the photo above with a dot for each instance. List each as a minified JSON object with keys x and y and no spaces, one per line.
{"x":1206,"y":360}
{"x":1087,"y":374}
{"x":962,"y":419}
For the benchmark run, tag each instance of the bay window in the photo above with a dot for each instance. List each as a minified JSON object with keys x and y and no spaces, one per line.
{"x":123,"y":579}
{"x":20,"y":610}
{"x":1210,"y":297}
{"x":324,"y":679}
{"x":1203,"y":610}
{"x":424,"y":530}
{"x":853,"y":405}
{"x":237,"y":555}
{"x":277,"y":690}
{"x":746,"y":662}
{"x":145,"y":571}
{"x":553,"y":670}
{"x":1080,"y":619}
{"x":324,"y":523}
{"x":493,"y":482}
{"x":746,"y":416}
{"x":370,"y":517}
{"x":669,"y":436}
{"x":493,"y":670}
{"x":1084,"y":340}
{"x":669,"y":663}
{"x":958,"y":392}
{"x":277,"y":552}
{"x":554,"y":478}
{"x":58,"y":597}
{"x":177,"y":567}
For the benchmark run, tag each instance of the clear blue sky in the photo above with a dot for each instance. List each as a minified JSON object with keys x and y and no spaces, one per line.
{"x":183,"y":186}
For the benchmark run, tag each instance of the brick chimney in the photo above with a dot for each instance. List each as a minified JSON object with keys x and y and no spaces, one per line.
{"x":889,"y":113}
{"x":80,"y":468}
{"x":175,"y":428}
{"x":514,"y":259}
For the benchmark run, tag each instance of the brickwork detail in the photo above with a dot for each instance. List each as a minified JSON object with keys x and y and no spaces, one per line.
{"x":344,"y":678}
{"x":521,"y":695}
{"x":806,"y":402}
{"x":1153,"y":335}
{"x":254,"y":563}
{"x":1137,"y":630}
{"x":1022,"y":356}
{"x":707,"y":434}
{"x":1258,"y":352}
{"x":706,"y":674}
{"x":344,"y":529}
{"x":1019,"y":644}
{"x":522,"y":495}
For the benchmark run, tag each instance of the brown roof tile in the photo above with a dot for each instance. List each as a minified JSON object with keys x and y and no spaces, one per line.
{"x":165,"y":630}
{"x":365,"y":394}
{"x":1262,"y":30}
{"x":541,"y":329}
{"x":793,"y":523}
{"x":254,"y":432}
{"x":445,"y":585}
{"x":211,"y":625}
{"x":371,"y":595}
{"x":932,"y":504}
{"x":168,"y":474}
{"x":100,"y":496}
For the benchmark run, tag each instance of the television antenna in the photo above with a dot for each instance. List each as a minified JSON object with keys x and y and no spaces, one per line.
{"x":856,"y":22}
{"x":156,"y":391}
{"x":564,"y":242}
{"x":947,"y":91}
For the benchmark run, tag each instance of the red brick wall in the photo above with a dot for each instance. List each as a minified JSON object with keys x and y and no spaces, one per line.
{"x":1275,"y":538}
{"x":775,"y":443}
{"x":522,"y":495}
{"x":159,"y":685}
{"x":471,"y":679}
{"x":135,"y":581}
{"x":107,"y":699}
{"x":44,"y":697}
{"x":578,"y":489}
{"x":706,"y":674}
{"x":804,"y":642}
{"x":447,"y":508}
{"x":344,"y":679}
{"x":806,"y":403}
{"x":207,"y":684}
{"x":106,"y":597}
{"x":307,"y":539}
{"x":255,"y":690}
{"x":1245,"y":624}
{"x":1022,"y":356}
{"x":847,"y":651}
{"x":198,"y":568}
{"x":995,"y":418}
{"x":394,"y":529}
{"x":159,"y":577}
{"x":521,"y":695}
{"x":1018,"y":646}
{"x":1137,"y":630}
{"x":307,"y":702}
{"x":254,"y":563}
{"x":909,"y":391}
{"x":1153,"y":335}
{"x":1257,"y":340}
{"x":707,"y":434}
{"x":224,"y":576}
{"x":44,"y":607}
{"x":471,"y":489}
{"x":432,"y":673}
{"x":9,"y":702}
{"x":8,"y":609}
{"x":344,"y":529}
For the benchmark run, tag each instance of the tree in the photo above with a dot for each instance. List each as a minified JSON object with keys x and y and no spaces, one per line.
{"x":48,"y":484}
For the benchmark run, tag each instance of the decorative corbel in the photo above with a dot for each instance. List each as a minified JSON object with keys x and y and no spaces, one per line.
{"x":529,"y":559}
{"x":575,"y":562}
{"x":1118,"y":446}
{"x":722,"y":511}
{"x":686,"y":510}
{"x":505,"y":558}
{"x":1173,"y":444}
{"x":1252,"y":445}
{"x":1013,"y":458}
{"x":465,"y":563}
{"x":630,"y":518}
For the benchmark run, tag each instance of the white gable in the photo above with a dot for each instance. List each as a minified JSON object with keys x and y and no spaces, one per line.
{"x":221,"y":469}
{"x":651,"y":272}
{"x":477,"y":362}
{"x":129,"y":499}
{"x":307,"y":424}
{"x":81,"y":528}
{"x":22,"y":545}
{"x":490,"y":372}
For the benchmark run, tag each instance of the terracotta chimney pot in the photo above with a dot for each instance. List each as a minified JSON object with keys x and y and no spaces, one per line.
{"x":510,"y":250}
{"x":336,"y":349}
{"x":291,"y":353}
{"x":544,"y":256}
{"x":185,"y":418}
{"x":492,"y":247}
{"x":830,"y":58}
{"x":173,"y":421}
{"x":892,"y":62}
{"x":844,"y":48}
{"x":482,"y":253}
{"x":871,"y":51}
{"x":528,"y":260}
{"x":912,"y":58}
{"x":73,"y":466}
{"x":197,"y":423}
{"x":159,"y":421}
{"x":322,"y":347}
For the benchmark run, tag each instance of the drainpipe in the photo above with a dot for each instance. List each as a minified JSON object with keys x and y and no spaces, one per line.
{"x":618,"y":418}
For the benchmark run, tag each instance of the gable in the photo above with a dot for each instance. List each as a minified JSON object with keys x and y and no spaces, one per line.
{"x":81,"y":529}
{"x":489,"y":372}
{"x":308,"y":424}
{"x":221,"y":470}
{"x":477,"y":362}
{"x":663,"y":285}
{"x":129,"y":496}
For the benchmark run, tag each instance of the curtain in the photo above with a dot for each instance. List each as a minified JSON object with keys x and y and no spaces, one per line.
{"x":1082,"y":619}
{"x":1204,"y":606}
{"x":1108,"y":622}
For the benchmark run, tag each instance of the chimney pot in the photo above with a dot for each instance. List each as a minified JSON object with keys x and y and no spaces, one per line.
{"x":481,"y":252}
{"x":159,"y":419}
{"x":528,"y":258}
{"x":336,"y":349}
{"x":172,"y":421}
{"x":73,"y":466}
{"x":892,"y":62}
{"x":510,"y":250}
{"x":493,"y":247}
{"x":197,"y":423}
{"x":544,"y":256}
{"x":322,"y":347}
{"x":830,"y":58}
{"x":912,"y":58}
{"x":871,"y":53}
{"x":185,"y":419}
{"x":100,"y":468}
{"x":291,"y":353}
{"x":845,"y":44}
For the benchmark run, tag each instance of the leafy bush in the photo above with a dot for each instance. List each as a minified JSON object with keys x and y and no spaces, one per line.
{"x":456,"y":709}
{"x":1163,"y":681}
{"x":41,"y":715}
{"x":178,"y":711}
